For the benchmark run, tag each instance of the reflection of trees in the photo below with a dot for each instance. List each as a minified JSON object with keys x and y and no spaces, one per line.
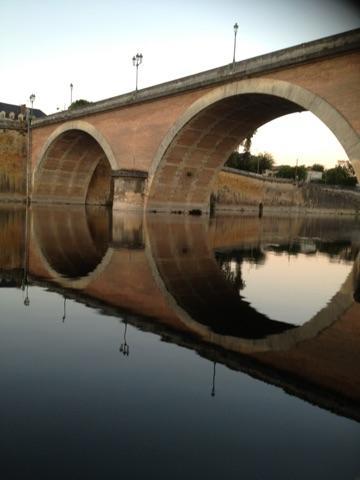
{"x":343,"y":250}
{"x":232,"y":273}
{"x":230,"y":264}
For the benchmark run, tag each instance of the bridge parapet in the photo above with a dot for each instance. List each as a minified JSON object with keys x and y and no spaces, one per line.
{"x":261,"y":64}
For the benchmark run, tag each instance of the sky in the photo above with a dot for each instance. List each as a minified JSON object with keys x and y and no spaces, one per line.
{"x":49,"y":44}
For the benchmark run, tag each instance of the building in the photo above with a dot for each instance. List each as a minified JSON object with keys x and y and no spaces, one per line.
{"x":313,"y":175}
{"x":17,"y":112}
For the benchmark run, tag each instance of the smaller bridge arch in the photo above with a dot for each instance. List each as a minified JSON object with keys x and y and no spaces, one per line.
{"x":201,"y":140}
{"x":74,"y":166}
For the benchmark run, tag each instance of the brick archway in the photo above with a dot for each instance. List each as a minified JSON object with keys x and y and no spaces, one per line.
{"x":199,"y":143}
{"x":74,"y":166}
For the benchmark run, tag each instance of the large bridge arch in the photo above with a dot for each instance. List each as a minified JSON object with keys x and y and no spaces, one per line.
{"x":74,"y":166}
{"x":200,"y":141}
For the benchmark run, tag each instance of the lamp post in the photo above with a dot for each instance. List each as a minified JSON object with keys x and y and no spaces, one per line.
{"x":213,"y":380}
{"x":124,"y":347}
{"x":29,"y":118}
{"x":25,"y":281}
{"x":137,"y":60}
{"x":236,"y":28}
{"x":64,"y":311}
{"x":71,"y":93}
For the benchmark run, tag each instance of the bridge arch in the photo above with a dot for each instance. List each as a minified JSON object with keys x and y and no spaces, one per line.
{"x":198,"y":144}
{"x":74,"y":166}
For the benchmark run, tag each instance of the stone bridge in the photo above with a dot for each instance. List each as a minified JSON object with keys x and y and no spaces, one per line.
{"x":160,"y":148}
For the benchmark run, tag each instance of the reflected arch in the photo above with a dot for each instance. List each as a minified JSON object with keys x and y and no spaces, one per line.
{"x":199,"y":143}
{"x":70,"y":251}
{"x":184,"y":266}
{"x":74,"y":166}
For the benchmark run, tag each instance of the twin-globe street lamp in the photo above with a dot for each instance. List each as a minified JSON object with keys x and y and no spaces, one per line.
{"x":137,"y":60}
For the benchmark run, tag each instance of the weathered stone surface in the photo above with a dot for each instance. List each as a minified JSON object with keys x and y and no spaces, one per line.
{"x":12,"y":164}
{"x":236,"y":191}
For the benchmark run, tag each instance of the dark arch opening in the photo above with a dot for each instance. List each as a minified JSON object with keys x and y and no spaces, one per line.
{"x":74,"y":170}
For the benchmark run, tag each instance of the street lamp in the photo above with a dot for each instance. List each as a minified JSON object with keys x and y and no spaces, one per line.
{"x":124,"y":347}
{"x":64,"y":312}
{"x":137,"y":60}
{"x":71,"y":91}
{"x":32,"y":100}
{"x":213,"y":380}
{"x":236,"y":28}
{"x":29,"y":118}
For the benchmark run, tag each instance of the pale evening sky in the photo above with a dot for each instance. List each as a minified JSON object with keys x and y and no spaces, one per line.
{"x":48,"y":44}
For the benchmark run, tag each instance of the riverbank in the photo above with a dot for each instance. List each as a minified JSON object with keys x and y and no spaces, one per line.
{"x":237,"y":192}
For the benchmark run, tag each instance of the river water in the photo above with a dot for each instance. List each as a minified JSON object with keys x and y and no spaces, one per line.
{"x":178,"y":347}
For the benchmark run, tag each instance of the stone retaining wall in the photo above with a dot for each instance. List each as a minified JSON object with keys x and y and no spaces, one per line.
{"x":235,"y":192}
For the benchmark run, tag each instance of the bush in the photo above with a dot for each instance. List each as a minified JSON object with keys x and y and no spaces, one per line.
{"x":79,"y":104}
{"x":340,"y":176}
{"x":250,"y":163}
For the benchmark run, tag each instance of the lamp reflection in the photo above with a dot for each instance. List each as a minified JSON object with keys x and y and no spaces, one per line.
{"x":213,"y":380}
{"x":124,"y":347}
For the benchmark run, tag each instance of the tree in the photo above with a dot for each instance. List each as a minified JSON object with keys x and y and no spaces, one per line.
{"x":265,"y":161}
{"x":317,"y":167}
{"x":79,"y":104}
{"x":340,"y":175}
{"x":250,"y":163}
{"x":293,"y":173}
{"x":246,"y":143}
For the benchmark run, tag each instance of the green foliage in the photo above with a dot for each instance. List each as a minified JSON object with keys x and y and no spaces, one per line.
{"x":293,"y":173}
{"x":246,"y":143}
{"x":317,"y":167}
{"x":340,"y":175}
{"x":250,"y":163}
{"x":79,"y":104}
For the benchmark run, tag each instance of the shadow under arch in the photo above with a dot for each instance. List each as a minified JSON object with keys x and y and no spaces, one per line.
{"x":69,"y":251}
{"x":182,"y":263}
{"x":199,"y":143}
{"x":74,"y":166}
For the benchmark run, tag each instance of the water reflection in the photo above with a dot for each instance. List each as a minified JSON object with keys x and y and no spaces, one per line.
{"x":73,"y":241}
{"x":194,"y":281}
{"x":304,"y":288}
{"x":83,"y":371}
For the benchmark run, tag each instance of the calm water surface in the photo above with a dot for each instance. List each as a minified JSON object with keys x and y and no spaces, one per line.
{"x":172,"y":347}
